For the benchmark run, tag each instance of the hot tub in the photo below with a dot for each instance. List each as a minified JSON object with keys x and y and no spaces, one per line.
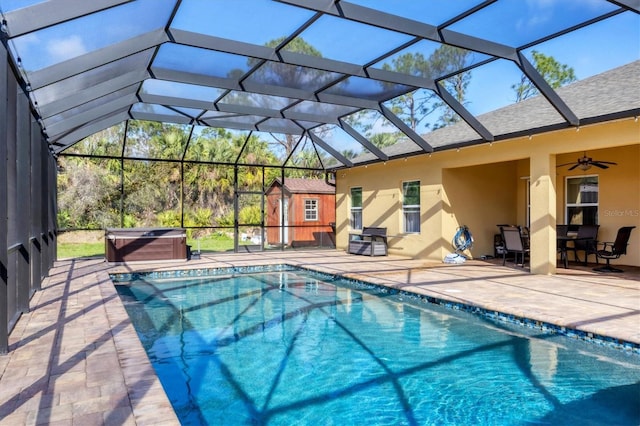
{"x":145,"y":244}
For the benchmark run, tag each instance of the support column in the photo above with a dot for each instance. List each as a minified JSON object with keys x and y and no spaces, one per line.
{"x":4,"y":261}
{"x":543,"y":213}
{"x":35,"y":206}
{"x":22,"y":201}
{"x":52,"y":197}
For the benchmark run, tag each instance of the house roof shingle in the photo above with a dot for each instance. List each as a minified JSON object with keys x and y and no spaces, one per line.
{"x":598,"y":96}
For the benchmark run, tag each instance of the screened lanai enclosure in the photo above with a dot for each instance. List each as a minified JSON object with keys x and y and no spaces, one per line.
{"x":211,"y":181}
{"x":182,"y":113}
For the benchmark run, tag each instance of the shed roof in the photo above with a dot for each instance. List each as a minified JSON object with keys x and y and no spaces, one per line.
{"x":305,"y":186}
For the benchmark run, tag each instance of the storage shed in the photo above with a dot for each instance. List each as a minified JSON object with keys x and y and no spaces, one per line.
{"x":309,"y":213}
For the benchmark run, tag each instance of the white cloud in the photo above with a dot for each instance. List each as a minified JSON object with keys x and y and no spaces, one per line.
{"x":28,"y":40}
{"x":60,"y":50}
{"x":381,"y":125}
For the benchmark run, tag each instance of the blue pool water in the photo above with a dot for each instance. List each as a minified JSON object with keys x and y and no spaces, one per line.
{"x":288,"y":348}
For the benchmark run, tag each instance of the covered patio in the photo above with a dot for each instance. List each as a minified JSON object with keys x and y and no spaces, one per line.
{"x":75,"y":358}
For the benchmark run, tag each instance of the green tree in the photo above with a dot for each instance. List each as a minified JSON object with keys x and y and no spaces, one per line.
{"x":349,"y":153}
{"x":307,"y":157}
{"x":106,"y":142}
{"x":210,"y":186}
{"x":153,"y":187}
{"x":157,"y":186}
{"x":553,"y":72}
{"x":88,"y":194}
{"x":169,"y":218}
{"x":415,"y":107}
{"x":250,"y":215}
{"x":447,"y":59}
{"x":293,"y":76}
{"x":382,"y":140}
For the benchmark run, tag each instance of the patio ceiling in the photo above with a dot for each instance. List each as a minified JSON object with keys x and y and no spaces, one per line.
{"x":290,"y":67}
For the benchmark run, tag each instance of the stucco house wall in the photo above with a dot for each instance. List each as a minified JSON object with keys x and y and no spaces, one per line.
{"x":482,"y":186}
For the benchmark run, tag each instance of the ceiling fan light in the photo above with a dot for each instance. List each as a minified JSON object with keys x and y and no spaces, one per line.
{"x":585,"y":166}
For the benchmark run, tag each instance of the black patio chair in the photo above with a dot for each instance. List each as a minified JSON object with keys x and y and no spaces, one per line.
{"x":613,"y":250}
{"x":514,"y":243}
{"x":561,"y":247}
{"x":586,"y":241}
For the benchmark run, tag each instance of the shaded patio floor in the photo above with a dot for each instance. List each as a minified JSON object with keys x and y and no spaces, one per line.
{"x":75,"y":358}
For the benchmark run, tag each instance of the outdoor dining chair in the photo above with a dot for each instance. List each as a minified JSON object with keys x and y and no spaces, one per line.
{"x":586,"y":241}
{"x":613,"y":250}
{"x":562,"y":231}
{"x":514,"y":243}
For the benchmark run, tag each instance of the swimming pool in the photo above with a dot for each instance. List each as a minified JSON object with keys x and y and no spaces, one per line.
{"x":292,"y":347}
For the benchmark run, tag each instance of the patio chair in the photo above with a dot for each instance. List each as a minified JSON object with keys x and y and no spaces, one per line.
{"x":613,"y":250}
{"x":513,"y":243}
{"x":498,"y":241}
{"x":586,"y":241}
{"x":562,"y":231}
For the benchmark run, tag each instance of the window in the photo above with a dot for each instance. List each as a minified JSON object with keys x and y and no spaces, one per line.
{"x":411,"y":206}
{"x":310,"y":209}
{"x":582,"y":200}
{"x":356,"y":208}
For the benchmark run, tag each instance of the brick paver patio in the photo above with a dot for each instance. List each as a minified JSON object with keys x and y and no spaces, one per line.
{"x":75,"y":358}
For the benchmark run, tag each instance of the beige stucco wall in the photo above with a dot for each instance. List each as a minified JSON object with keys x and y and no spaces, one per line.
{"x":485,"y":185}
{"x":619,"y":194}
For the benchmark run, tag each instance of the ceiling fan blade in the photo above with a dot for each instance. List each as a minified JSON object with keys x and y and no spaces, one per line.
{"x":574,"y":166}
{"x":598,"y":164}
{"x":605,"y":162}
{"x":565,"y":164}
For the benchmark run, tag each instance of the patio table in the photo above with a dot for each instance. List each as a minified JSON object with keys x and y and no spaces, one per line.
{"x":562,"y":245}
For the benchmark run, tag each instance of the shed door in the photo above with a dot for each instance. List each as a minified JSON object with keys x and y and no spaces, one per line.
{"x":284,"y":221}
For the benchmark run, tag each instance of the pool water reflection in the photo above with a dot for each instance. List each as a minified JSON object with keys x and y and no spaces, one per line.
{"x":291,"y":348}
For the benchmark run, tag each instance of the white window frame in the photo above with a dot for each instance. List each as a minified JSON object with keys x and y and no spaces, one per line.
{"x":568,"y":205}
{"x":410,"y":208}
{"x":355,"y":210}
{"x":311,"y":210}
{"x":527,"y":181}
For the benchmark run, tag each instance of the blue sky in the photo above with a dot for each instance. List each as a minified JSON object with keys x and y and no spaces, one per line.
{"x":592,"y":50}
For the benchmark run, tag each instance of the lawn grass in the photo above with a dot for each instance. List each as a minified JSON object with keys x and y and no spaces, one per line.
{"x":71,"y":248}
{"x":75,"y":250}
{"x":211,"y":243}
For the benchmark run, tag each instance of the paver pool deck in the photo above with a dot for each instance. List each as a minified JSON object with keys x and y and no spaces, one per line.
{"x":75,"y":358}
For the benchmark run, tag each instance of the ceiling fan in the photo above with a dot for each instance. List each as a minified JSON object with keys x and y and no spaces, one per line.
{"x":585,"y":163}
